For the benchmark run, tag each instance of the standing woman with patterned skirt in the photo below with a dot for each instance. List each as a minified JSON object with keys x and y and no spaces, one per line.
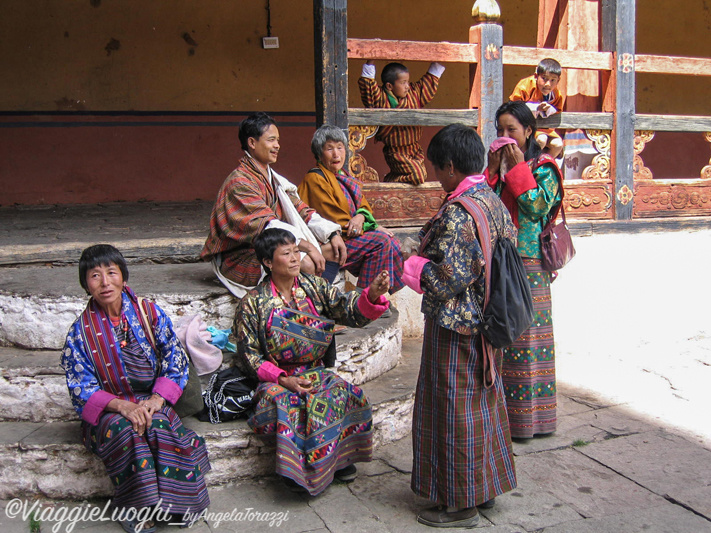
{"x":462,"y":454}
{"x":528,"y":183}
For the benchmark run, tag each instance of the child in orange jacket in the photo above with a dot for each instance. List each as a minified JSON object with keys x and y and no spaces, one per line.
{"x":543,"y":97}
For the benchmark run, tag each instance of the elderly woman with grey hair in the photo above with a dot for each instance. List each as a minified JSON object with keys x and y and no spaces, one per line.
{"x":338,"y":197}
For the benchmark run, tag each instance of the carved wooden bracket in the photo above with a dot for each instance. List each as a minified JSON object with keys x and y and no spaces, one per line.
{"x":600,"y":168}
{"x":706,"y":171}
{"x":640,"y":172}
{"x":357,"y":165}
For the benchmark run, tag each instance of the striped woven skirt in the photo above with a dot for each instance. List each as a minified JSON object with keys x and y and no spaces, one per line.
{"x":529,"y":364}
{"x":460,"y":433}
{"x":407,"y":164}
{"x":166,"y":465}
{"x":326,"y":430}
{"x":371,"y":253}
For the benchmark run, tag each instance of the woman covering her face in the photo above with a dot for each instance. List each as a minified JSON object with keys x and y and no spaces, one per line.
{"x":530,"y":186}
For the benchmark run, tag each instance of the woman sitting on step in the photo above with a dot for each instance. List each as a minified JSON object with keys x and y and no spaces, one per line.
{"x":125,"y":369}
{"x":284,"y":329}
{"x":338,"y":197}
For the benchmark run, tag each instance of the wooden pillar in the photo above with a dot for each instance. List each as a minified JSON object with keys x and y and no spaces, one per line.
{"x":487,"y":77}
{"x":618,"y":36}
{"x":331,"y":62}
{"x":572,"y":25}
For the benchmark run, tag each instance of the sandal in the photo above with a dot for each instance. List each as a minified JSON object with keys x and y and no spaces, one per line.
{"x":132,"y":526}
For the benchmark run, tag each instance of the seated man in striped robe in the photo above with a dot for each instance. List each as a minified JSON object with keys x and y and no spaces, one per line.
{"x":254,"y":198}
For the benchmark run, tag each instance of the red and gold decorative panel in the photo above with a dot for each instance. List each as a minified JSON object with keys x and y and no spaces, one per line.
{"x":588,"y":199}
{"x":669,"y":198}
{"x":400,"y":204}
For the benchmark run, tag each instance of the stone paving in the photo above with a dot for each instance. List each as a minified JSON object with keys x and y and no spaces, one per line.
{"x":606,"y":469}
{"x":632,"y":452}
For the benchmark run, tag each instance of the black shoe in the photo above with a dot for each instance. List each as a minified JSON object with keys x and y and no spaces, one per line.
{"x":292,"y":485}
{"x":438,"y":516}
{"x":347,"y":474}
{"x":489,"y":504}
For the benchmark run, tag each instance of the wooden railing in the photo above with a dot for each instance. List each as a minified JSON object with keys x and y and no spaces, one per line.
{"x":617,"y":185}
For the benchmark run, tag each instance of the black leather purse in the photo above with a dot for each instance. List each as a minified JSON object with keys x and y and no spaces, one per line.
{"x":508,"y":304}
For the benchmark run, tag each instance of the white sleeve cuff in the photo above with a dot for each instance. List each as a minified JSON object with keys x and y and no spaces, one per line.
{"x":436,"y":69}
{"x":368,"y":71}
{"x":322,"y":228}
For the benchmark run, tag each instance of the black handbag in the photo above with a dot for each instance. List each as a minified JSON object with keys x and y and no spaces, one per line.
{"x":228,"y":396}
{"x":508,"y":304}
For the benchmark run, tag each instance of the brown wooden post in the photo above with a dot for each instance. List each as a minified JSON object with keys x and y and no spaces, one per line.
{"x":487,"y":75}
{"x":618,"y":36}
{"x":331,"y":62}
{"x":572,"y":25}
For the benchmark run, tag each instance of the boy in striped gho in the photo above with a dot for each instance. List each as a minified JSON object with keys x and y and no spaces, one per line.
{"x":401,"y":149}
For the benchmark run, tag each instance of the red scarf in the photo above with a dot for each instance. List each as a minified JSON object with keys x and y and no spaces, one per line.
{"x":102,"y":347}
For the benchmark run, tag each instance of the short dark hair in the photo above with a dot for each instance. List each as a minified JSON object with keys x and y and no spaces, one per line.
{"x":324,"y":134}
{"x":459,"y":144}
{"x":268,"y":241}
{"x":100,"y":255}
{"x":549,"y":66}
{"x":392,"y":72}
{"x":520,"y":111}
{"x":254,"y":127}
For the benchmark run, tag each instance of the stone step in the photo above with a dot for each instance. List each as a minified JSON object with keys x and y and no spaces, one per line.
{"x":143,"y":231}
{"x":33,"y":387}
{"x":38,"y":304}
{"x":48,"y":459}
{"x":163,"y":232}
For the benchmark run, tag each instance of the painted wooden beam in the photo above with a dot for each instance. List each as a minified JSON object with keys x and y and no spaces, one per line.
{"x":548,"y":23}
{"x":487,"y":77}
{"x":682,"y":123}
{"x":412,"y":51}
{"x":412,"y":117}
{"x":692,"y":66}
{"x":521,"y":55}
{"x":330,"y":62}
{"x":585,"y":121}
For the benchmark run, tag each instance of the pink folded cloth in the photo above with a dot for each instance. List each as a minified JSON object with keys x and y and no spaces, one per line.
{"x":193,"y":335}
{"x":500,"y":142}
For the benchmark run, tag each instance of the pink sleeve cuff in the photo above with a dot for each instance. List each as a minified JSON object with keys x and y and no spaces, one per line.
{"x":520,"y":179}
{"x":168,"y":389}
{"x":268,"y":371}
{"x":95,"y":406}
{"x":371,"y":310}
{"x":413,"y":272}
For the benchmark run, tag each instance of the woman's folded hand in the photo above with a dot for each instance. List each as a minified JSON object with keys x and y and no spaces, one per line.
{"x":295,"y":384}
